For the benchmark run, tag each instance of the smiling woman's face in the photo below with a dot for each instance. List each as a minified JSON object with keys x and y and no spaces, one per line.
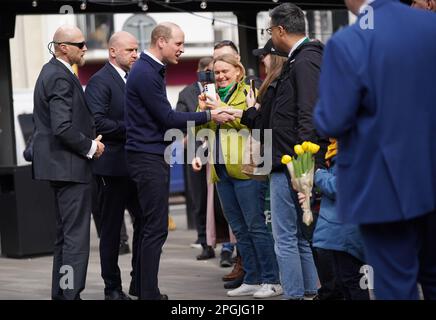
{"x":225,"y":74}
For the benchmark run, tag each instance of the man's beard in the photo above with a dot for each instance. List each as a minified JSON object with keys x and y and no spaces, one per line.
{"x":81,"y":62}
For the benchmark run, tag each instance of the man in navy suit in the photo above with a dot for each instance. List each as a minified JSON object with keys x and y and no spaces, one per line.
{"x":377,"y":97}
{"x":105,"y":97}
{"x":148,"y":116}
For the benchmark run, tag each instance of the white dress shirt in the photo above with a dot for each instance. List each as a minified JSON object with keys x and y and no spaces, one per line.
{"x":148,"y":53}
{"x":295,"y":46}
{"x":120,"y":71}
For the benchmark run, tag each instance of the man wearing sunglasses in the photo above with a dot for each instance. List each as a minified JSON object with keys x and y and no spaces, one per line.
{"x":64,"y":144}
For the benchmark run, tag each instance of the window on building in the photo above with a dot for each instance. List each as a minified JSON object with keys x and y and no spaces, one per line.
{"x":97,"y":29}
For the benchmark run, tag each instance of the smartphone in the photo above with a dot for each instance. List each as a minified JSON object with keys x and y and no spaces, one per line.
{"x":210,"y":91}
{"x":252,"y":86}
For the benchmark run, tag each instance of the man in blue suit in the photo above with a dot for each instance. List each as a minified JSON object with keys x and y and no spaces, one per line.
{"x":105,"y":97}
{"x":377,"y":96}
{"x":148,"y":116}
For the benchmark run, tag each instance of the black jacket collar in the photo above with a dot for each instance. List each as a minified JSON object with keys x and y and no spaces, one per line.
{"x":115,"y":75}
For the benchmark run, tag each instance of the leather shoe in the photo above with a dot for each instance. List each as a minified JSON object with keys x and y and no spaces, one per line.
{"x":226,"y":259}
{"x":234,"y":283}
{"x":124,"y":248}
{"x":237,"y":271}
{"x":163,"y":297}
{"x":207,"y":253}
{"x":132,"y":289}
{"x":116,"y":295}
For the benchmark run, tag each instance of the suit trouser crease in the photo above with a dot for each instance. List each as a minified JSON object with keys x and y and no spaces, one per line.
{"x":73,"y":214}
{"x":118,"y":193}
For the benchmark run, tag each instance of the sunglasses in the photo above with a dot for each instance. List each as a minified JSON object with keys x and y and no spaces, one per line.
{"x":79,"y":45}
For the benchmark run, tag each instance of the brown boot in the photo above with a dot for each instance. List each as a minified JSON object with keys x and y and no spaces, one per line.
{"x":237,"y":271}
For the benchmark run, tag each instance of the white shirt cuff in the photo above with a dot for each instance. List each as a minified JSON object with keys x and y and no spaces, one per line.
{"x":92,"y":150}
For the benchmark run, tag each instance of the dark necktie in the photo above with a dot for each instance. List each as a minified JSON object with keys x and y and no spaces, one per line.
{"x":126,"y":75}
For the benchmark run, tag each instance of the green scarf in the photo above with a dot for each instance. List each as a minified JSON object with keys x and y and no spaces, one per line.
{"x":223,"y":92}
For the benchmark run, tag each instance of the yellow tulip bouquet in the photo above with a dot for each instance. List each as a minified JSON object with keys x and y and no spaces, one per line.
{"x":301,"y":169}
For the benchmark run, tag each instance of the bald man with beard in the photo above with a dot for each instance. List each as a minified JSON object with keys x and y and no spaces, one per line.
{"x":105,"y":97}
{"x":64,"y":146}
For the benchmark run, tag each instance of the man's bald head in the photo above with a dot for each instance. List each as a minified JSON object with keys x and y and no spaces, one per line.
{"x":120,"y":37}
{"x":67,"y":33}
{"x":123,"y":50}
{"x":69,"y":44}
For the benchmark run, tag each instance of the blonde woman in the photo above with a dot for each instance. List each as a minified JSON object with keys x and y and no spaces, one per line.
{"x":242,"y":199}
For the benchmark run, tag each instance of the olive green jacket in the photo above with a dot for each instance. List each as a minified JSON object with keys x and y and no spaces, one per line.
{"x":232,"y":139}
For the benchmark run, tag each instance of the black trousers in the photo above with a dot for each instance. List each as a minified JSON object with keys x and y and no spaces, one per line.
{"x":96,"y":210}
{"x":196,"y":204}
{"x":331,"y":288}
{"x":151,"y":175}
{"x":71,"y":249}
{"x":116,"y":194}
{"x":348,"y":270}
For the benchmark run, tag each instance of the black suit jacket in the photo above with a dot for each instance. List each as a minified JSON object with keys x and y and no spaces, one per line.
{"x":188,"y":98}
{"x":64,"y":126}
{"x":105,"y":97}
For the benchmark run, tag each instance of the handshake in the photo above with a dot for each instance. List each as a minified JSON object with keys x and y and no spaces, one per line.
{"x":220,"y":113}
{"x":223,"y":115}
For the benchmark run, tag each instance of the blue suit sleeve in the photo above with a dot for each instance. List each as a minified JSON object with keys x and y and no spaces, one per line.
{"x":98,"y":97}
{"x":326,"y":182}
{"x":339,"y":91}
{"x":154,"y":98}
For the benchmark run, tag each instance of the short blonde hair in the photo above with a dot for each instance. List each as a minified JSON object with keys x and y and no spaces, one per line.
{"x":232,"y":60}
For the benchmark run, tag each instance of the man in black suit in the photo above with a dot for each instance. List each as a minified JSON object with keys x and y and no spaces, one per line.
{"x":105,"y":97}
{"x":196,"y":182}
{"x":62,"y":150}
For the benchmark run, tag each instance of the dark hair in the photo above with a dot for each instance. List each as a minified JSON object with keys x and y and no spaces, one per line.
{"x":226,"y":43}
{"x":204,"y":62}
{"x":290,"y":17}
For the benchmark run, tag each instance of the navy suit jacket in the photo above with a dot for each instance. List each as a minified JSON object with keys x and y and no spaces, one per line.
{"x":378,"y":97}
{"x":148,"y":112}
{"x":105,"y":97}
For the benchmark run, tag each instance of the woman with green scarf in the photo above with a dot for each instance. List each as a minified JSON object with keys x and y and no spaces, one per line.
{"x":242,"y":198}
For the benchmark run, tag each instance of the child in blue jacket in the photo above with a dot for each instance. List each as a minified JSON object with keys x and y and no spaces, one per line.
{"x":338,"y":246}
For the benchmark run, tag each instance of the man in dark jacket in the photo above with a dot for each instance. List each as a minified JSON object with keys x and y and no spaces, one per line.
{"x":196,"y":182}
{"x":291,"y":124}
{"x":62,"y":152}
{"x":148,"y":115}
{"x":105,"y":97}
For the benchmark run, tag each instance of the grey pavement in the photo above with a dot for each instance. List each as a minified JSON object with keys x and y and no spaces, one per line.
{"x":181,"y":276}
